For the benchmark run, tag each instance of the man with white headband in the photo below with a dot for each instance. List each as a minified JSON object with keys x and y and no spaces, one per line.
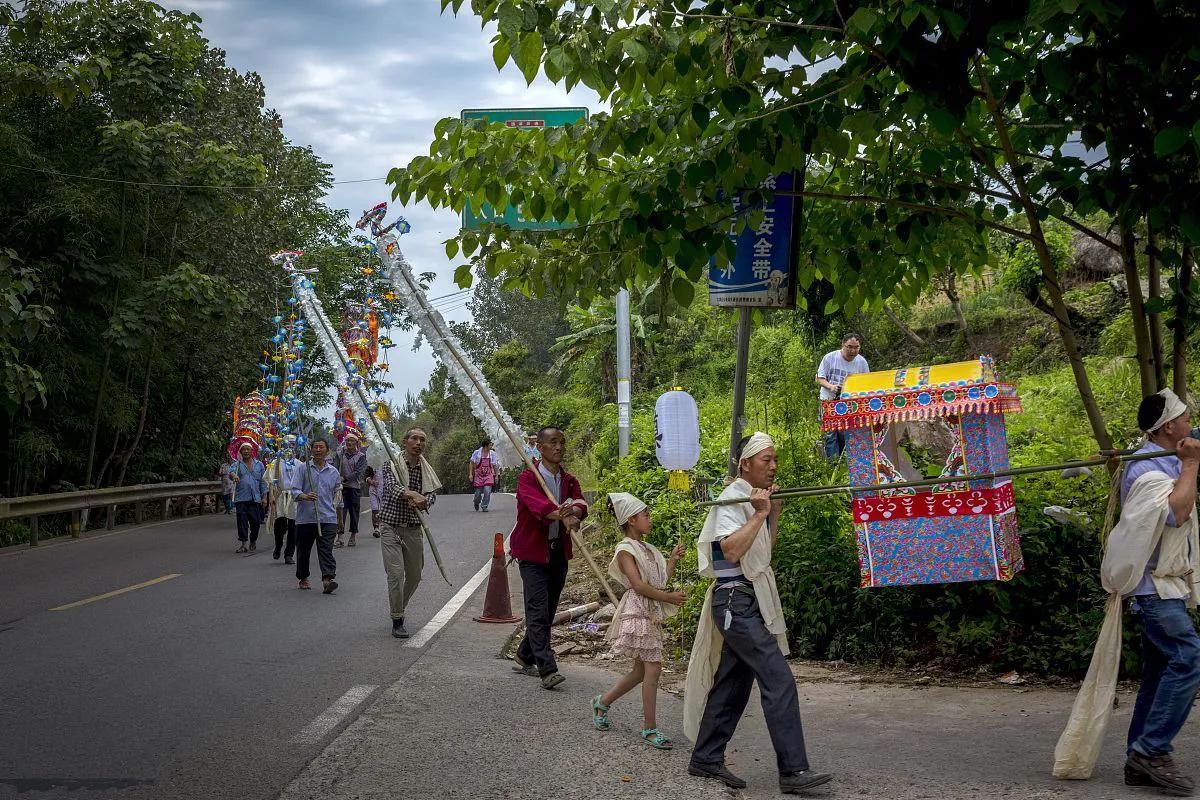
{"x":742,"y":635}
{"x":1150,"y":558}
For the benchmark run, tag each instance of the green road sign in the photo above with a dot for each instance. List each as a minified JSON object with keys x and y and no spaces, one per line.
{"x":524,"y":119}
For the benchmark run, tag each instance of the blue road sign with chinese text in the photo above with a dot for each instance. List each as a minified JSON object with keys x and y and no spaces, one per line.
{"x":761,"y":273}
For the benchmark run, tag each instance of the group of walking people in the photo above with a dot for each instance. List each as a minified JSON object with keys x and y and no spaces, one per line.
{"x":741,"y":636}
{"x":313,"y":504}
{"x":1151,"y":567}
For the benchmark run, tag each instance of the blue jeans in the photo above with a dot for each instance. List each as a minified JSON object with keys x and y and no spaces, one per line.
{"x":835,"y":443}
{"x":1170,"y":674}
{"x":483,"y":497}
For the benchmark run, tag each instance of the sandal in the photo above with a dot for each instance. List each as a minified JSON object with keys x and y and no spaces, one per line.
{"x":338,"y":542}
{"x":351,"y":542}
{"x":599,"y":714}
{"x":657,"y":739}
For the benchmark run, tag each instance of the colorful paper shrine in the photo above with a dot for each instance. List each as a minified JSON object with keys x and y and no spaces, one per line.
{"x":951,"y":532}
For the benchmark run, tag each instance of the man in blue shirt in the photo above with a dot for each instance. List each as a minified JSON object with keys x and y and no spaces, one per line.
{"x":315,"y":489}
{"x":249,"y":495}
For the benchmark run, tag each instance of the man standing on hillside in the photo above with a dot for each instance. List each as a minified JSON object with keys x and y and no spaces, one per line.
{"x":541,"y":542}
{"x":400,"y":525}
{"x":831,"y":376}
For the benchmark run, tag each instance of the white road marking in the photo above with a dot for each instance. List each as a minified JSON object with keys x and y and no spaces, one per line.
{"x":331,"y":717}
{"x":422,"y":637}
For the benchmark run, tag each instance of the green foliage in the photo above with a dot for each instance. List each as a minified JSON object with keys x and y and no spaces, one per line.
{"x":161,"y":289}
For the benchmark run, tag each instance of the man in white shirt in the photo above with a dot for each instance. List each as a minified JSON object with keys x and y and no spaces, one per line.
{"x":831,"y":376}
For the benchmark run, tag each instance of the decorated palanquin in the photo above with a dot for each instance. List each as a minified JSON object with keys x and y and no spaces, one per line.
{"x":950,"y":532}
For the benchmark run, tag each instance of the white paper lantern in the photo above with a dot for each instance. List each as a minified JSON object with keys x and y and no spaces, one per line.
{"x":677,"y":436}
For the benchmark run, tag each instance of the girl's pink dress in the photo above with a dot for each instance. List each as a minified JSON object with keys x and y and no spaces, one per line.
{"x":641,"y":631}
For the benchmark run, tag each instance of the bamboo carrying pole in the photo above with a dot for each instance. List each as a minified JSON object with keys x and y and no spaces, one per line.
{"x":818,"y":491}
{"x":518,"y":446}
{"x":399,"y":470}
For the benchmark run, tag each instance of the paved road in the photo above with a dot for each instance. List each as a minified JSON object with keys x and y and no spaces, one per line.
{"x":200,"y":685}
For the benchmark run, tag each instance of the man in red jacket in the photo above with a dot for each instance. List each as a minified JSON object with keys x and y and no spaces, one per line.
{"x":541,"y":542}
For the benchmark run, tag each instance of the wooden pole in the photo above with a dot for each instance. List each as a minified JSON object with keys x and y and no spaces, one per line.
{"x":518,"y":446}
{"x":817,"y":491}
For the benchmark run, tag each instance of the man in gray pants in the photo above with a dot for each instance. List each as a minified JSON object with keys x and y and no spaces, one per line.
{"x":400,"y":526}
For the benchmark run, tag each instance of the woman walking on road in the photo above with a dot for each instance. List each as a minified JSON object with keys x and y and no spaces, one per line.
{"x":636,"y":630}
{"x":482,"y":472}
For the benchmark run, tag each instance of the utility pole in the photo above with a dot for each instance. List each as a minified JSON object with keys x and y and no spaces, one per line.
{"x":624,"y":373}
{"x":739,"y":386}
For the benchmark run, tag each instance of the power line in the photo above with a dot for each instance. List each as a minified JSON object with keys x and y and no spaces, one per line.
{"x":185,"y":185}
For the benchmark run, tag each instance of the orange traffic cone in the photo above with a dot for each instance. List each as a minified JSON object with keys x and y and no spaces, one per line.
{"x":497,"y":605}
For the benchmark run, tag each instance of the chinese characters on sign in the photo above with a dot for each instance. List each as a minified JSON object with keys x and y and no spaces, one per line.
{"x":760,"y":274}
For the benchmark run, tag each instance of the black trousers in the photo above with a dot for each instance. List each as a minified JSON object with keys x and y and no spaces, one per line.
{"x":322,"y":536}
{"x":750,"y":653}
{"x":249,"y":517}
{"x":542,"y":586}
{"x":285,"y":528}
{"x":350,"y":502}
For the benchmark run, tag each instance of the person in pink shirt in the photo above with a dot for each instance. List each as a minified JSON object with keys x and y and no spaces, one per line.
{"x":482,"y":471}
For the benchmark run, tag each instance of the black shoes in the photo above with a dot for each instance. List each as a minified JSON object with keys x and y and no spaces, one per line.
{"x":330,"y":585}
{"x":1158,"y":771}
{"x":718,"y":772}
{"x":797,"y":782}
{"x":288,"y":560}
{"x":398,"y":629}
{"x":253,"y":546}
{"x":275,"y":555}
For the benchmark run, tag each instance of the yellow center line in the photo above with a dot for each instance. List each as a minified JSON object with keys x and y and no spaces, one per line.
{"x":116,"y":592}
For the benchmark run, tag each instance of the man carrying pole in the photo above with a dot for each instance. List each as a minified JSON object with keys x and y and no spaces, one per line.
{"x":1151,"y":557}
{"x":541,"y":542}
{"x":742,"y":635}
{"x":400,"y":525}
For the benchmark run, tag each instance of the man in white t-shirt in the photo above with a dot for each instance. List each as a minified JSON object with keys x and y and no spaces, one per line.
{"x":831,"y":376}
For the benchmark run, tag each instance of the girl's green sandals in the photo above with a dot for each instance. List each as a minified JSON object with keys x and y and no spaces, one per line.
{"x":657,"y":739}
{"x":599,"y":713}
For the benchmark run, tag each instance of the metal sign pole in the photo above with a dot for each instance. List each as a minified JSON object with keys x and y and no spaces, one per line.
{"x":744,"y":329}
{"x":624,"y":374}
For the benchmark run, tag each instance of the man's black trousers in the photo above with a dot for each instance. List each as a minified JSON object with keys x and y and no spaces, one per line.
{"x":542,"y":585}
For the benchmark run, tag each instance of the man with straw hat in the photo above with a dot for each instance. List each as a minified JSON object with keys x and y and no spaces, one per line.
{"x":1150,"y":557}
{"x":742,"y":636}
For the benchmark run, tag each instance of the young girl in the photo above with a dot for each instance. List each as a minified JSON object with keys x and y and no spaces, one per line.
{"x":636,"y":630}
{"x":375,"y":489}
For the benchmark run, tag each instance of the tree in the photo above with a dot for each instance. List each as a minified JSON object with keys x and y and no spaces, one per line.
{"x":917,"y":127}
{"x":144,"y":185}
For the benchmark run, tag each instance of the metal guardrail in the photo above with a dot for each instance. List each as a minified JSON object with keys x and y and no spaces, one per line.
{"x":33,"y":506}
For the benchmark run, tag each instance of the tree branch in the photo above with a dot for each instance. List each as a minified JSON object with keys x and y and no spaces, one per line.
{"x":759,"y":20}
{"x":888,"y":201}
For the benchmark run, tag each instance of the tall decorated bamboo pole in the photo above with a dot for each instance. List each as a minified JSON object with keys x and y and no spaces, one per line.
{"x":484,"y":403}
{"x":332,"y":347}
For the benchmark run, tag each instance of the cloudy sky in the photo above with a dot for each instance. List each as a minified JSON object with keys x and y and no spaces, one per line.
{"x":363,"y":82}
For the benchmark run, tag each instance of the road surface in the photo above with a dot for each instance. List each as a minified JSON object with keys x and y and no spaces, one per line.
{"x":216,"y":678}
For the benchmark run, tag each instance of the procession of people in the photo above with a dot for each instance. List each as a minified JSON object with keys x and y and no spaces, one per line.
{"x":1149,"y":568}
